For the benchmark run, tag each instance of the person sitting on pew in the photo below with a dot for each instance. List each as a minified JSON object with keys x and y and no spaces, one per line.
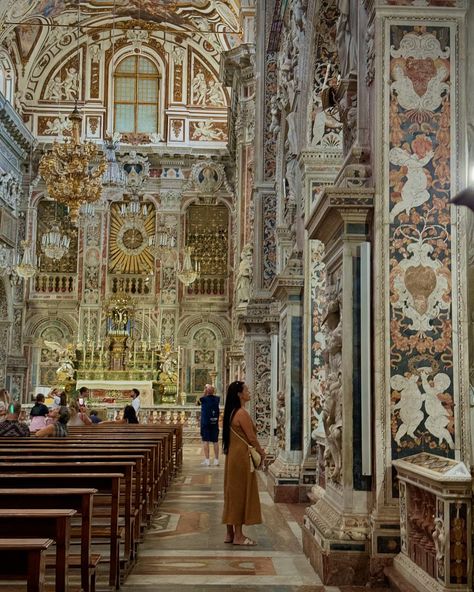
{"x":78,"y":415}
{"x":4,"y":402}
{"x":58,"y":429}
{"x":94,"y":415}
{"x":38,"y":414}
{"x":11,"y":427}
{"x":129,"y":416}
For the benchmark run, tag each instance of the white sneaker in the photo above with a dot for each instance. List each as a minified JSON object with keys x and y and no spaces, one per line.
{"x":216,"y":462}
{"x":205,"y":462}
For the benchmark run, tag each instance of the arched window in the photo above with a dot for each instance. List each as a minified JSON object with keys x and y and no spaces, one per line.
{"x":136,"y":94}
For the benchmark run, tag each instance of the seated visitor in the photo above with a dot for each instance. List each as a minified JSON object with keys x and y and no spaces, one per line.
{"x":38,"y":414}
{"x":59,"y":400}
{"x":11,"y":427}
{"x":4,"y":402}
{"x":129,"y":416}
{"x":58,"y":429}
{"x":94,"y":416}
{"x":78,"y":415}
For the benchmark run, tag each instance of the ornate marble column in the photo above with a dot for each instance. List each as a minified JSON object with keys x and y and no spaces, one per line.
{"x":284,"y":473}
{"x":336,"y":526}
{"x":421,"y":376}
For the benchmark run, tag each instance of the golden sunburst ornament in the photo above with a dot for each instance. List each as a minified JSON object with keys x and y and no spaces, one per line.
{"x":129,"y":240}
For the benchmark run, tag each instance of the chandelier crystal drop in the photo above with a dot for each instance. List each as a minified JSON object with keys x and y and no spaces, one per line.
{"x":163,"y":243}
{"x":134,"y":212}
{"x":187,"y":274}
{"x":54,"y":244}
{"x":73,"y":170}
{"x":27,"y":266}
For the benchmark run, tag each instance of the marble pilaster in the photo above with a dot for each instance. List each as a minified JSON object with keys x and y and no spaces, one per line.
{"x":336,"y":526}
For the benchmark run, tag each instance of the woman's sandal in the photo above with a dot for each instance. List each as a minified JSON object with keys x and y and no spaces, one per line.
{"x":247,"y":543}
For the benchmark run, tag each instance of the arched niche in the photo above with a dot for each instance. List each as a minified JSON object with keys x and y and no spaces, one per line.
{"x":45,"y":362}
{"x":7,"y":77}
{"x":204,"y":343}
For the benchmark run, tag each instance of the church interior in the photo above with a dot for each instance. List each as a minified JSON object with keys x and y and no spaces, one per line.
{"x":199,"y":192}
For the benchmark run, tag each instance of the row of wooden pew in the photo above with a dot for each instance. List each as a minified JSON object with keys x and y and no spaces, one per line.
{"x":93,"y":493}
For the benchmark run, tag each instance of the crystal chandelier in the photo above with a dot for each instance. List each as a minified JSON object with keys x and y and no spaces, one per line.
{"x":134,"y":213}
{"x":73,"y":170}
{"x":27,"y":266}
{"x":163,"y":243}
{"x":54,"y":244}
{"x":187,"y":274}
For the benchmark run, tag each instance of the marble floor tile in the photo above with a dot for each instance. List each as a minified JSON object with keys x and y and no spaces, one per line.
{"x":184,"y":549}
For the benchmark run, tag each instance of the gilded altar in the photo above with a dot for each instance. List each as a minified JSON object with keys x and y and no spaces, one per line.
{"x":121,"y":360}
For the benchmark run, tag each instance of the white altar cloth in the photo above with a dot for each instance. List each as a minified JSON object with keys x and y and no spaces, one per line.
{"x":144,"y":386}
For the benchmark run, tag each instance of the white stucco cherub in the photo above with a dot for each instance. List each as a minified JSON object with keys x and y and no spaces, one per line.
{"x":438,"y":416}
{"x":409,"y":405}
{"x":414,"y":191}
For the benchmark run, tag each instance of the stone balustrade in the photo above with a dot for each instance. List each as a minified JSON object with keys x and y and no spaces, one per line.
{"x":435,"y":524}
{"x":208,"y":286}
{"x":64,"y":284}
{"x":134,"y":285}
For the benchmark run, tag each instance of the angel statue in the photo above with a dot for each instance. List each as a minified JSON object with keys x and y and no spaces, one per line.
{"x":65,"y":372}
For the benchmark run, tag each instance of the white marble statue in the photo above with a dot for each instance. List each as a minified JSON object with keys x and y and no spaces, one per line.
{"x":199,"y":89}
{"x":244,"y":276}
{"x":438,"y":416}
{"x":409,"y":405}
{"x":346,"y":38}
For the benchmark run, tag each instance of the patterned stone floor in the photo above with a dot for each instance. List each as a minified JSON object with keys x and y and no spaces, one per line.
{"x":184,"y":550}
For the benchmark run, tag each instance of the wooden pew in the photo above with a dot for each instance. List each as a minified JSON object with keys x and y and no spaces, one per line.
{"x":81,"y":501}
{"x":108,"y":483}
{"x":51,"y":455}
{"x":88,"y":467}
{"x":55,"y":524}
{"x":24,"y":557}
{"x":70,"y":447}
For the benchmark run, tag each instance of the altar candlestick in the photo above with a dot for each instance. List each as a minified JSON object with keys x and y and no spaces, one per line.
{"x":134,"y":356}
{"x":153,"y":360}
{"x":92,"y":354}
{"x":178,"y":372}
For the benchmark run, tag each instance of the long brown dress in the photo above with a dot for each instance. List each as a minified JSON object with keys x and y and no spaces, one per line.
{"x":241,"y":500}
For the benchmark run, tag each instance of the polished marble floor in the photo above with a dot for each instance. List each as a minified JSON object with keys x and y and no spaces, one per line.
{"x":185,"y":550}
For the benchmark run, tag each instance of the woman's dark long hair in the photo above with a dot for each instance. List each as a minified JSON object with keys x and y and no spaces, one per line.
{"x":232,"y":403}
{"x":129,"y":414}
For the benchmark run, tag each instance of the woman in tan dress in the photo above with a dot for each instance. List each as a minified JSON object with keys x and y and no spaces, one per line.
{"x":241,"y":500}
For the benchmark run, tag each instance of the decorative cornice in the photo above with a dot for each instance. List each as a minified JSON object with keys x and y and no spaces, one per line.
{"x":14,"y":126}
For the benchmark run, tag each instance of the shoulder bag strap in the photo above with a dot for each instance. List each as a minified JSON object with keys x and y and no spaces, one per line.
{"x":238,"y":436}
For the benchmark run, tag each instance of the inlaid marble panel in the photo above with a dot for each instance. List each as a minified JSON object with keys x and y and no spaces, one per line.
{"x":420,"y":114}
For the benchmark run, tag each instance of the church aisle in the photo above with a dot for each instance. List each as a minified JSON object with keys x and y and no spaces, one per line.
{"x":184,"y":548}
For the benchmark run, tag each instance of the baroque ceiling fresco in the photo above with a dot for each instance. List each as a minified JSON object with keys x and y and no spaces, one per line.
{"x":216,"y":16}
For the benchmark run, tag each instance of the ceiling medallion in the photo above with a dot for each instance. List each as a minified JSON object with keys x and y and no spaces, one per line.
{"x":73,"y":170}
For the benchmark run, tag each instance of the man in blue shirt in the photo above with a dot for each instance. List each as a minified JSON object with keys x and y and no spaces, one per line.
{"x":209,"y":423}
